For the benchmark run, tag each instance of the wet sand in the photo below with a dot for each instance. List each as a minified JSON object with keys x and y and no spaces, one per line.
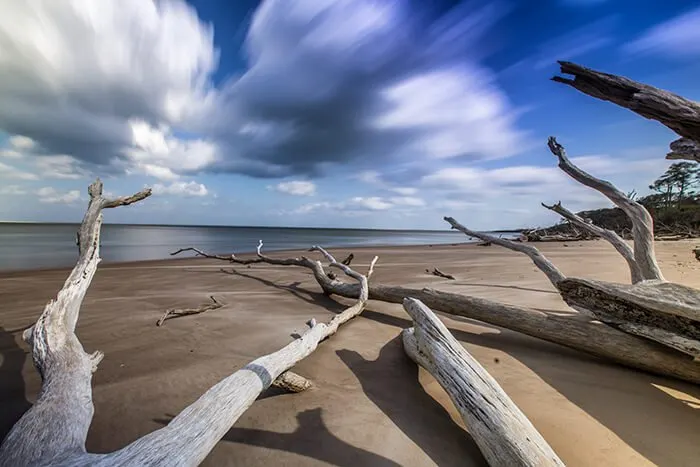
{"x":371,"y":406}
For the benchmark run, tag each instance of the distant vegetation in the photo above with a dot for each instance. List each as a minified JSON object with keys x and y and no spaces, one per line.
{"x":674,"y":205}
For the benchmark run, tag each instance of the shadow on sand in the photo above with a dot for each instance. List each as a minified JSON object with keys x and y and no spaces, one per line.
{"x":660,"y":427}
{"x":13,"y":402}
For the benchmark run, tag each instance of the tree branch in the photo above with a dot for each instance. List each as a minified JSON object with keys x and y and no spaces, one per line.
{"x":176,"y":313}
{"x":59,"y":420}
{"x":675,"y":112}
{"x":642,"y":222}
{"x":546,"y":266}
{"x":590,"y":337}
{"x":503,"y":433}
{"x":610,"y":235}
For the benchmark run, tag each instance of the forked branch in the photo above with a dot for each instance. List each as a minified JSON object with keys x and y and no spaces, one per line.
{"x":176,"y":313}
{"x":642,"y":222}
{"x":610,"y":235}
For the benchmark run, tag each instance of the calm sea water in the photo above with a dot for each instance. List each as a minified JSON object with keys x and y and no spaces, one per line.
{"x":37,"y":246}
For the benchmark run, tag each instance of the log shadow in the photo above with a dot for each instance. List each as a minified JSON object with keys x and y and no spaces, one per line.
{"x":13,"y":401}
{"x":310,"y":297}
{"x":391,"y":383}
{"x":500,"y":286}
{"x":312,"y":438}
{"x":660,"y":427}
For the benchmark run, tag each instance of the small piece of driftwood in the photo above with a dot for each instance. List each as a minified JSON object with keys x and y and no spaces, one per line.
{"x":438,"y":273}
{"x":176,"y":313}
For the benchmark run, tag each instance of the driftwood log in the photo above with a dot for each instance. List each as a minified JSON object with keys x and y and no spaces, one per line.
{"x":591,"y":337}
{"x":54,"y":429}
{"x":438,"y":273}
{"x":503,"y":433}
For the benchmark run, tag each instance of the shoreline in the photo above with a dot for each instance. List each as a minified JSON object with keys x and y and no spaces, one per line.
{"x":588,"y":410}
{"x":115,"y":264}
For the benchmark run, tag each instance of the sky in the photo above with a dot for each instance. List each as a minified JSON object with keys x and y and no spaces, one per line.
{"x":328,"y":113}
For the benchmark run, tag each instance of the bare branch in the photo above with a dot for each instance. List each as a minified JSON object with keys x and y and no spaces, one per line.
{"x":438,"y":273}
{"x":503,"y":433}
{"x":126,"y":200}
{"x":176,"y":313}
{"x":199,"y":252}
{"x":677,"y":113}
{"x":59,"y":420}
{"x":545,"y":265}
{"x":610,"y":235}
{"x":642,"y":222}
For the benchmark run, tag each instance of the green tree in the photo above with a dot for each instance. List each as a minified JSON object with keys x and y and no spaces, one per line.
{"x":677,"y":182}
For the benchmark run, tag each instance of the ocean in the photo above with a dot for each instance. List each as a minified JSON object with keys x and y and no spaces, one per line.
{"x":40,"y":246}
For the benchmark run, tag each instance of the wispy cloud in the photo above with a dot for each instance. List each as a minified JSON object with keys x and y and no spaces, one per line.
{"x":50,"y":195}
{"x":296,"y":187}
{"x":678,"y":37}
{"x":181,"y":189}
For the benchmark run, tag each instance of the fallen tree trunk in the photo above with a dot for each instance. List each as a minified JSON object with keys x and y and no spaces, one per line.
{"x":54,"y":429}
{"x":662,"y":311}
{"x":503,"y":433}
{"x":592,"y":338}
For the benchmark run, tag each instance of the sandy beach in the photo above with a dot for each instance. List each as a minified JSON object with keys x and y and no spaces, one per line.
{"x":371,"y":405}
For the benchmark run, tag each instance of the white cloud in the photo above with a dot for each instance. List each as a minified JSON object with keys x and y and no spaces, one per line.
{"x":157,"y":153}
{"x":7,"y":171}
{"x":21,"y":142}
{"x":407,"y":201}
{"x":12,"y":190}
{"x":298,"y":188}
{"x":373,"y":202}
{"x":679,"y":37}
{"x":355,"y":205}
{"x":11,"y":153}
{"x":181,"y":189}
{"x":405,"y":191}
{"x":50,"y":195}
{"x":62,"y":167}
{"x":73,"y":72}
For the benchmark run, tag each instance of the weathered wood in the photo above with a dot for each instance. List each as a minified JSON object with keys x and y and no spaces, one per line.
{"x":175,"y":312}
{"x":54,"y":429}
{"x":675,"y":112}
{"x":59,"y":420}
{"x":438,"y":273}
{"x":593,"y":338}
{"x":611,"y":236}
{"x":672,"y":309}
{"x":503,"y":433}
{"x":642,"y":222}
{"x":546,"y":266}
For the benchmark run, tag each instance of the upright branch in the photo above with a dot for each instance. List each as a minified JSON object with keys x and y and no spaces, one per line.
{"x":677,"y":113}
{"x":642,"y":222}
{"x":503,"y":433}
{"x":546,"y":266}
{"x":611,"y":236}
{"x":59,"y":420}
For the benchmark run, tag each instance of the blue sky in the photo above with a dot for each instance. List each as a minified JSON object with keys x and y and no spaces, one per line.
{"x":328,"y":113}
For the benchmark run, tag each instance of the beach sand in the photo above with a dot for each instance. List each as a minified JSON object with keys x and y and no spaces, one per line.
{"x":371,"y":405}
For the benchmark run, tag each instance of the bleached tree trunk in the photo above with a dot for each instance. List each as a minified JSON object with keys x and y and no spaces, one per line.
{"x":503,"y":433}
{"x":642,"y":222}
{"x":611,"y":236}
{"x":54,"y":429}
{"x":593,"y":338}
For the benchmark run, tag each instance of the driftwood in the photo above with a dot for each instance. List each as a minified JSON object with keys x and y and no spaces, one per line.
{"x":696,"y":252}
{"x":590,"y":337}
{"x":438,"y":273}
{"x":675,"y":112}
{"x":176,"y":313}
{"x":54,"y":429}
{"x":503,"y":433}
{"x":348,"y":260}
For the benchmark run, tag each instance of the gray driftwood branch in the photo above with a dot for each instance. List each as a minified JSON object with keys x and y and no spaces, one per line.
{"x":503,"y":433}
{"x":675,"y":112}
